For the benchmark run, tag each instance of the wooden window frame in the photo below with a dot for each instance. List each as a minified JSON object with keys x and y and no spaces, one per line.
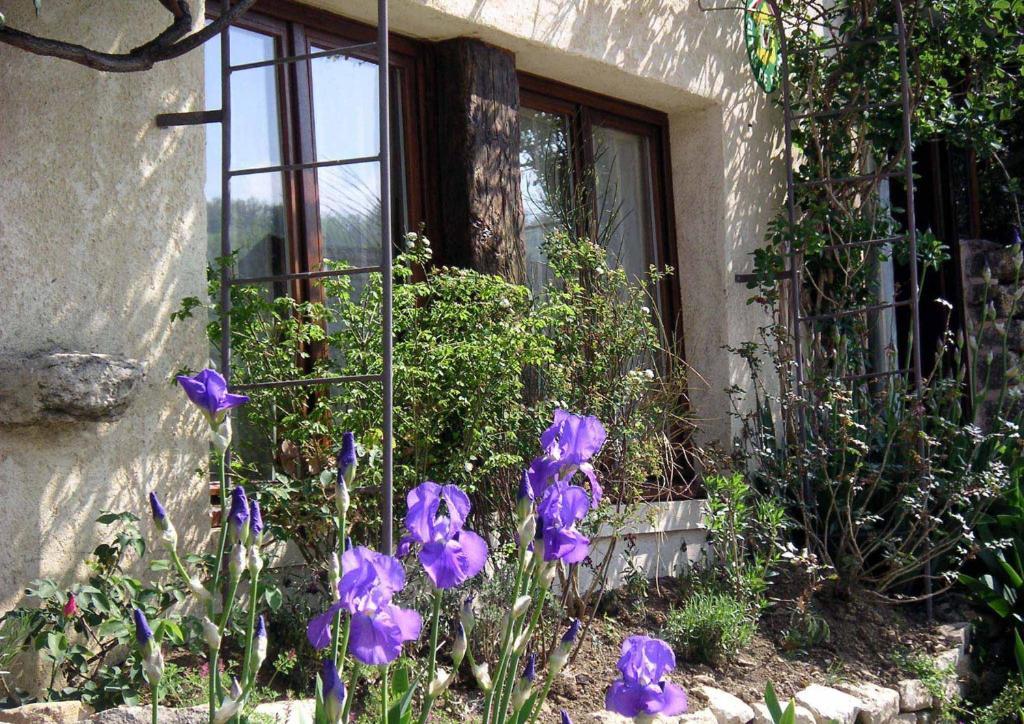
{"x":586,"y":110}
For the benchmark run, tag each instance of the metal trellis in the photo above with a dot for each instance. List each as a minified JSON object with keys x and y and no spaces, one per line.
{"x":384,"y":268}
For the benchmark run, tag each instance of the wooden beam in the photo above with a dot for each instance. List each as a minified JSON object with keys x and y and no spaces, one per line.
{"x":478,"y":154}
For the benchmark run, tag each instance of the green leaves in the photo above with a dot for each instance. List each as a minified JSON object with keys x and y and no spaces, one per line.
{"x":772,"y":702}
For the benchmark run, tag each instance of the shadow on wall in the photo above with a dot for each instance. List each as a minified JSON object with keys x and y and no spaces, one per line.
{"x":103,"y":235}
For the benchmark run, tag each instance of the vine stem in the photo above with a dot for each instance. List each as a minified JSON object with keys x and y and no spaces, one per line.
{"x":428,"y":700}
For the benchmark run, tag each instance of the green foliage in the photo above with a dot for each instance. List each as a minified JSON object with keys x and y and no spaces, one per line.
{"x":83,"y":650}
{"x":479,"y":366}
{"x":1007,"y":708}
{"x":745,"y":530}
{"x":779,"y":716}
{"x":709,"y":627}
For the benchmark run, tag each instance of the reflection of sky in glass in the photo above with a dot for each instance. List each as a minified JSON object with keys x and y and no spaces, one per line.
{"x":344,"y":107}
{"x":255,"y":133}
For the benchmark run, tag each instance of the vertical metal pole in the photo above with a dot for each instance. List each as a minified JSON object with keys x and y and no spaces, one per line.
{"x":795,"y":258}
{"x":225,"y":198}
{"x":384,"y":102}
{"x":915,"y":316}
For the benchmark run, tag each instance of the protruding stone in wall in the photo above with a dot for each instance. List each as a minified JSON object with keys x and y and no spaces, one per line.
{"x":727,"y":708}
{"x":763,"y":716}
{"x":878,"y":705}
{"x":914,"y":695}
{"x":828,"y":704}
{"x":59,"y":387}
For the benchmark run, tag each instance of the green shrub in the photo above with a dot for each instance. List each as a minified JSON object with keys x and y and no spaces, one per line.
{"x":709,"y":627}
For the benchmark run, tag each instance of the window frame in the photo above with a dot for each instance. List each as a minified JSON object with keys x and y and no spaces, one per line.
{"x":586,"y":110}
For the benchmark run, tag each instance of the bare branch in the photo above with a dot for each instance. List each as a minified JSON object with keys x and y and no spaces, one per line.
{"x":171,"y":43}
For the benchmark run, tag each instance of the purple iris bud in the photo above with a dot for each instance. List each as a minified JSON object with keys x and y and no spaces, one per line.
{"x":530,"y":670}
{"x":565,"y":717}
{"x":377,"y":628}
{"x":643,"y":689}
{"x":1016,"y":236}
{"x":449,"y":554}
{"x":255,"y":519}
{"x":569,"y":445}
{"x":159,"y":512}
{"x":143,"y":633}
{"x":238,"y":514}
{"x":569,"y":637}
{"x":525,"y":491}
{"x":261,"y":627}
{"x":208,"y":391}
{"x":333,"y":690}
{"x":348,"y":542}
{"x":347,"y":458}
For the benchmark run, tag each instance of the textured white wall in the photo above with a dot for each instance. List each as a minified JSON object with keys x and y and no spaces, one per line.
{"x":102,"y":233}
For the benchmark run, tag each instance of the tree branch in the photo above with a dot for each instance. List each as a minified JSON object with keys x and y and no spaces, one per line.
{"x":173,"y":42}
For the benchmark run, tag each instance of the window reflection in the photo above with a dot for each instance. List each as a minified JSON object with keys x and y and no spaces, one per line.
{"x":545,"y":182}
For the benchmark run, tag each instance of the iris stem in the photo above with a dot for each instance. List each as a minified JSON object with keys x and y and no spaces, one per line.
{"x":350,"y":693}
{"x":156,"y":702}
{"x":249,"y":678}
{"x":215,"y":587}
{"x":539,"y":701}
{"x":538,"y":607}
{"x":506,"y":637}
{"x":384,"y":695}
{"x":428,"y":700}
{"x":337,"y":648}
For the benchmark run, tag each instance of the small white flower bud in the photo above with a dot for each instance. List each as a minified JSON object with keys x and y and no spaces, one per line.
{"x":467,"y":617}
{"x":211,"y":634}
{"x":236,"y":561}
{"x":521,"y":605}
{"x":986,"y":274}
{"x":547,"y":574}
{"x":521,"y":642}
{"x":153,"y":664}
{"x":196,"y":587}
{"x":527,"y":529}
{"x":169,"y":536}
{"x":459,"y":649}
{"x":334,"y":573}
{"x":440,"y":683}
{"x":255,"y":562}
{"x":230,"y":706}
{"x":482,"y":676}
{"x":222,"y":436}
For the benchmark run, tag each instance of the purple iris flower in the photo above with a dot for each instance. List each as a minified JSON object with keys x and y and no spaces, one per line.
{"x":143,"y":633}
{"x":261,"y":627}
{"x":238,"y":514}
{"x":561,"y":506}
{"x":569,"y":637}
{"x":208,"y":390}
{"x":565,"y":717}
{"x":449,"y":554}
{"x":378,"y":628}
{"x":530,"y":670}
{"x":569,"y":445}
{"x":255,"y":519}
{"x":643,"y":689}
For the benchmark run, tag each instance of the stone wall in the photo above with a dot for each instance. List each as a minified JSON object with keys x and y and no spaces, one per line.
{"x":992,"y":276}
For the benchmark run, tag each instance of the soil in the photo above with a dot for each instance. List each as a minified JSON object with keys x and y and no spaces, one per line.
{"x":868,"y":639}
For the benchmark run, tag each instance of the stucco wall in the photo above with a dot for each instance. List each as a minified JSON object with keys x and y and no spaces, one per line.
{"x":102,"y":232}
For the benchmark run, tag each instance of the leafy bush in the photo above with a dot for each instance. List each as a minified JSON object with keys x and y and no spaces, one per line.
{"x":709,"y":627}
{"x":479,"y":365}
{"x":84,"y":633}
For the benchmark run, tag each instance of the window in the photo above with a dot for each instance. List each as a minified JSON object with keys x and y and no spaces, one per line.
{"x":317,"y":110}
{"x":573,"y":140}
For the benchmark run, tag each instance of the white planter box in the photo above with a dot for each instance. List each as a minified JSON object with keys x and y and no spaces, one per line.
{"x":667,"y":538}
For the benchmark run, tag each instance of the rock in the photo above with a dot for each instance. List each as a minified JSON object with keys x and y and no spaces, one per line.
{"x":907,"y":718}
{"x":914,"y":695}
{"x":828,"y":705}
{"x":143,"y":714}
{"x":51,"y":712}
{"x":1005,"y":262}
{"x":288,"y":712}
{"x":878,"y":705}
{"x":953,"y":661}
{"x":727,"y":708}
{"x":959,"y":634}
{"x":701,"y":716}
{"x":763,"y":716}
{"x":58,"y":386}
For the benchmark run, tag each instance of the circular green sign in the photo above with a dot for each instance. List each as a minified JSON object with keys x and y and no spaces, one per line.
{"x":762,"y":43}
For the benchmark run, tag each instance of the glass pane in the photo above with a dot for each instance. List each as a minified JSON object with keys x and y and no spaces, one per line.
{"x":622,"y":176}
{"x":544,"y":181}
{"x":258,"y":227}
{"x":350,"y":213}
{"x":344,"y":107}
{"x":248,"y":46}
